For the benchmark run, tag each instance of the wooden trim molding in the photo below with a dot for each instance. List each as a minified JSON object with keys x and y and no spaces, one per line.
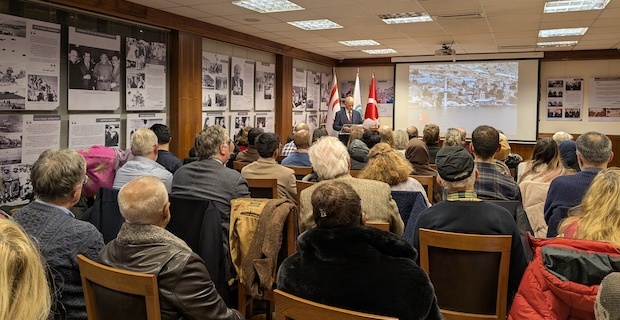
{"x":284,"y":96}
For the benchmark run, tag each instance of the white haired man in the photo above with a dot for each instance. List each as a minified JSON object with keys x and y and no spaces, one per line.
{"x":144,"y":148}
{"x":57,"y":179}
{"x":143,"y":245}
{"x":330,"y":160}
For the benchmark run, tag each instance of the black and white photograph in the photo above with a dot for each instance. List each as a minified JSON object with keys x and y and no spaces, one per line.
{"x":221,"y":121}
{"x":265,"y":80}
{"x":555,"y":83}
{"x":554,"y":103}
{"x":573,"y":85}
{"x":11,"y":133}
{"x":241,"y":121}
{"x":221,"y":100}
{"x":207,"y":100}
{"x":137,"y":121}
{"x":221,"y":83}
{"x":572,"y":113}
{"x":137,"y":51}
{"x":111,"y":135}
{"x":237,"y":81}
{"x":299,"y":97}
{"x":12,"y":75}
{"x":135,"y":81}
{"x":12,"y":27}
{"x":554,"y":112}
{"x":16,"y":184}
{"x":12,"y":99}
{"x":261,"y":122}
{"x":215,"y":70}
{"x":135,"y":99}
{"x":42,"y":88}
{"x":157,"y":53}
{"x":94,"y":68}
{"x":208,"y":82}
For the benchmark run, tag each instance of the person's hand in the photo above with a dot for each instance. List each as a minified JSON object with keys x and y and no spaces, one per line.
{"x":346,"y":129}
{"x":86,"y":77}
{"x":112,"y":85}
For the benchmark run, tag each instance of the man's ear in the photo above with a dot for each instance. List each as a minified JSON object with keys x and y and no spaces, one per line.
{"x":499,"y":148}
{"x":439,"y":181}
{"x":611,"y":157}
{"x":476,"y":173}
{"x":166,"y":213}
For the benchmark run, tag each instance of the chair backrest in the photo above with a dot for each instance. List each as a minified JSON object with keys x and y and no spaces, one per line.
{"x":238,"y":165}
{"x":301,"y":185}
{"x":280,"y":158}
{"x":385,"y":226}
{"x":263,"y":188}
{"x":469,"y":272}
{"x":112,"y":293}
{"x":427,"y":182}
{"x":410,"y":204}
{"x":105,"y":214}
{"x":198,"y":222}
{"x":354,"y":173}
{"x":300,"y":172}
{"x":292,"y":307}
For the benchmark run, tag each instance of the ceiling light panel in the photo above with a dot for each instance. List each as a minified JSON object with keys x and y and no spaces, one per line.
{"x":360,"y":43}
{"x":574,"y":5}
{"x":268,"y":6}
{"x":380,"y":51}
{"x":321,"y":24}
{"x":565,"y":32}
{"x":557,"y":44}
{"x":407,"y":17}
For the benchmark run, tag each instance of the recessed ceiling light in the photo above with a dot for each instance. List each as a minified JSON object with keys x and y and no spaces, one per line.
{"x":360,"y":43}
{"x":321,"y":24}
{"x":407,"y":17}
{"x":380,"y":51}
{"x":574,"y":5}
{"x":267,"y":6}
{"x":557,"y":43}
{"x":565,"y":32}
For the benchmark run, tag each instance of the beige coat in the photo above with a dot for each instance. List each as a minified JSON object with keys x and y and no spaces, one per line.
{"x":377,"y":203}
{"x":268,"y":168}
{"x":533,"y":196}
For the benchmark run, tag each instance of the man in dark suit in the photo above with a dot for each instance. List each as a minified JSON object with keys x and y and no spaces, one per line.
{"x":347,"y":116}
{"x":86,"y":68}
{"x":209,"y":178}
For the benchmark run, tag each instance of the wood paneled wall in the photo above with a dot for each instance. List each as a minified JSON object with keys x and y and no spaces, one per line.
{"x":284,"y":96}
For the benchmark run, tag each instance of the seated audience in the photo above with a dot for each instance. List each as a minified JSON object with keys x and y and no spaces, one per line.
{"x":597,"y":217}
{"x":208,"y":177}
{"x":412,"y":132}
{"x":400,"y":142}
{"x":318,"y":133}
{"x":466,"y":144}
{"x":330,"y":161}
{"x":241,"y":139}
{"x":345,"y":264}
{"x":164,"y":156}
{"x":562,"y":280}
{"x":57,"y":179}
{"x":562,"y":136}
{"x":492,"y":184}
{"x":568,"y":152}
{"x":25,"y":293}
{"x":186,"y":290}
{"x":266,"y":167}
{"x":357,"y":148}
{"x":289,"y":147}
{"x":386,"y":165}
{"x":251,"y":153}
{"x":607,"y":304}
{"x":387,"y":135}
{"x":453,"y":138}
{"x":300,"y":157}
{"x":464,"y":212}
{"x":504,"y":148}
{"x":144,"y":148}
{"x":593,"y":154}
{"x":430,"y":136}
{"x":100,"y":169}
{"x":534,"y":178}
{"x":417,"y":154}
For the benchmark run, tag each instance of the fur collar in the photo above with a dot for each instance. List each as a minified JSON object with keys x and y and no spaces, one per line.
{"x":340,"y":245}
{"x":146,"y":234}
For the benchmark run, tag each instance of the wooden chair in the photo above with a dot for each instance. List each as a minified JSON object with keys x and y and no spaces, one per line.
{"x":238,"y":165}
{"x":354,"y":173}
{"x":292,"y":307}
{"x":112,"y":293}
{"x":280,"y":158}
{"x":288,"y":248}
{"x":301,"y":185}
{"x":263,"y":188}
{"x":469,"y":272}
{"x":300,"y":172}
{"x":385,"y":226}
{"x":427,"y":182}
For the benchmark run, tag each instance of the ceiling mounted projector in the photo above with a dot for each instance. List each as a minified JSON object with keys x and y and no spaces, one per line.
{"x":446,"y":50}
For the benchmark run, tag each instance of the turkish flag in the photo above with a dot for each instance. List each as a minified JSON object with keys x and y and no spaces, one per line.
{"x":371,"y":107}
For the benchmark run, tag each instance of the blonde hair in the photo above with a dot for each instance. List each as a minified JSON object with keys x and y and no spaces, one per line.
{"x":598,"y":214}
{"x":387,"y":135}
{"x":356,"y":133}
{"x":386,"y":165}
{"x":143,"y":141}
{"x":24,"y":293}
{"x":401,"y":138}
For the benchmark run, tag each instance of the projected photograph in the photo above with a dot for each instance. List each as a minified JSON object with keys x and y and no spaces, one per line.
{"x":466,"y":91}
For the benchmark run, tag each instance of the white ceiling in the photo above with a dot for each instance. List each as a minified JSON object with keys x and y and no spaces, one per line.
{"x":507,"y":25}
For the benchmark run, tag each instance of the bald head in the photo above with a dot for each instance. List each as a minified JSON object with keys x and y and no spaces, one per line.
{"x":348,"y":103}
{"x":302,"y":126}
{"x":302,"y":139}
{"x":144,"y":200}
{"x":412,"y":132}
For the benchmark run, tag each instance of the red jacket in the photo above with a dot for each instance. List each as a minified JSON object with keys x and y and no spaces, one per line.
{"x":562,"y":279}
